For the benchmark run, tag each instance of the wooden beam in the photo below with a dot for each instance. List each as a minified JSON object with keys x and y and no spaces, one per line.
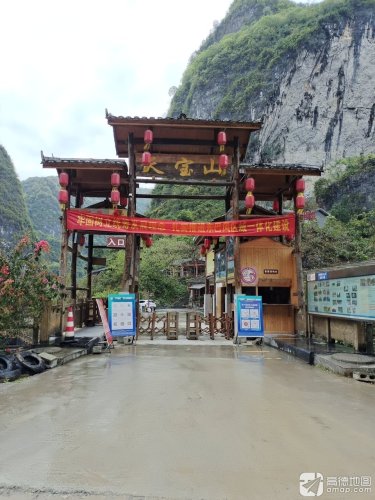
{"x":184,"y":182}
{"x":183,"y":197}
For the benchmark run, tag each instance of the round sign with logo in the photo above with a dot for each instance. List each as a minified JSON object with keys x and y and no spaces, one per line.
{"x":249,"y":275}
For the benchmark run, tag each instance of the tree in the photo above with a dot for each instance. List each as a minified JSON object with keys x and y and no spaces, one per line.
{"x":26,"y":286}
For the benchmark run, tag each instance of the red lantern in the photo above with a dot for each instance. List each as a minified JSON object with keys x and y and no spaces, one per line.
{"x":123,"y":201}
{"x":148,"y":136}
{"x":63,"y":179}
{"x":250,"y":184}
{"x":203,"y":250}
{"x":63,"y":197}
{"x":115,"y":197}
{"x":300,"y":185}
{"x":276,"y":205}
{"x":146,"y":158}
{"x":148,"y":242}
{"x":222,"y":138}
{"x":81,"y":240}
{"x":115,"y":179}
{"x":249,"y":201}
{"x":300,"y":201}
{"x":207,"y":243}
{"x":223,"y":161}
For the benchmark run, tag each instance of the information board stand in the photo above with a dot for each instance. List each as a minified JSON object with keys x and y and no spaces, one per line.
{"x":122,"y":315}
{"x":248,"y":317}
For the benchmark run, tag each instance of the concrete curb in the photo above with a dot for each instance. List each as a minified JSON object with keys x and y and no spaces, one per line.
{"x":299,"y":352}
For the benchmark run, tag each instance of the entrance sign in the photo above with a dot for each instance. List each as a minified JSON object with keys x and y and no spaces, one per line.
{"x":121,"y":312}
{"x":83,"y":220}
{"x":248,"y":316}
{"x":172,"y":167}
{"x":116,"y":241}
{"x":103,"y":316}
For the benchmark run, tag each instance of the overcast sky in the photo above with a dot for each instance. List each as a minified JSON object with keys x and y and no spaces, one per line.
{"x":64,"y":62}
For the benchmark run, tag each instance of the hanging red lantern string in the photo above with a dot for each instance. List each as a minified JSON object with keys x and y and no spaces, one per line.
{"x":63,"y":179}
{"x":276,"y":206}
{"x":148,"y":137}
{"x":63,"y":198}
{"x":250,"y":198}
{"x":300,"y":198}
{"x":223,"y":161}
{"x":115,"y":179}
{"x":207,"y":243}
{"x":222,"y":140}
{"x":146,"y":158}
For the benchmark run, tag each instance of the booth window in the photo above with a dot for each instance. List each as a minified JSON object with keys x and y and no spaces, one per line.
{"x":274,"y":295}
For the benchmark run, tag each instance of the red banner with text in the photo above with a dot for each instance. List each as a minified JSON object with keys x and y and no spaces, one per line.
{"x":84,"y":220}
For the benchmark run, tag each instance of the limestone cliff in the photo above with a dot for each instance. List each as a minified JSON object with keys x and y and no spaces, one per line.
{"x":306,"y":71}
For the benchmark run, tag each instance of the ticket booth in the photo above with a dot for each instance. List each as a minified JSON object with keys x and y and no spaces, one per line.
{"x":268,"y":269}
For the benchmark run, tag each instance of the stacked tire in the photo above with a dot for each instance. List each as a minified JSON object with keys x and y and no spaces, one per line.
{"x":30,"y":362}
{"x":9,"y":369}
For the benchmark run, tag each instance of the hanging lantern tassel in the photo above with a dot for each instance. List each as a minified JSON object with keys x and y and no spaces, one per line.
{"x":249,"y":202}
{"x":115,"y":197}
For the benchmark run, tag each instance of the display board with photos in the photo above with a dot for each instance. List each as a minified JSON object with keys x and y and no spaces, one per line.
{"x":352,"y":297}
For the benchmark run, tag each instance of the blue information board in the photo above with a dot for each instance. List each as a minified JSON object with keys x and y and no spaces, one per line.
{"x":121,"y":314}
{"x":249,"y":316}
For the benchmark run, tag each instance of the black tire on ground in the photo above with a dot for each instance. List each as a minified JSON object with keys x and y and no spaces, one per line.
{"x":31,"y":362}
{"x":10,"y":374}
{"x":5,"y":363}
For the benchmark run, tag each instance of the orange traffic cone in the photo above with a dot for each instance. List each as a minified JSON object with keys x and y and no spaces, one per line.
{"x":69,"y":329}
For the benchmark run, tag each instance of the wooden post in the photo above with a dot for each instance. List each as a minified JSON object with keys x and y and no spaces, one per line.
{"x":73,"y":271}
{"x":63,"y":268}
{"x":300,"y":282}
{"x":127,"y":282}
{"x":90,"y":265}
{"x":236,"y":212}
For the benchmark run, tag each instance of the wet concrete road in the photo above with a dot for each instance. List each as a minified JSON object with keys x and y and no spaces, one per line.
{"x":180,"y":422}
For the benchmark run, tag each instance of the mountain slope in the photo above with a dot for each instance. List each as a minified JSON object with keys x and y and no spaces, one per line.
{"x":14,"y":218}
{"x":304,"y":70}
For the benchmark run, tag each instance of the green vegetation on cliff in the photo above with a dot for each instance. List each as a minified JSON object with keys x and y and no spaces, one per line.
{"x":14,"y":219}
{"x":246,"y":64}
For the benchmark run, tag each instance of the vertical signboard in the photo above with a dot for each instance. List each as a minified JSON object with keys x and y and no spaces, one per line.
{"x":121,"y":314}
{"x":248,"y":316}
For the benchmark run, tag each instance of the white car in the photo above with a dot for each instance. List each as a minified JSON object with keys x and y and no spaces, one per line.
{"x":147,"y":305}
